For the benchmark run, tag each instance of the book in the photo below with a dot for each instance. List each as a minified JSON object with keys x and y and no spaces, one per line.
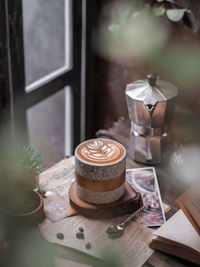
{"x":189,"y":202}
{"x":178,"y":237}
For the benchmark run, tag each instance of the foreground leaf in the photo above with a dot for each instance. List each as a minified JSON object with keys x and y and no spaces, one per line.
{"x":114,"y":30}
{"x":189,"y":20}
{"x":158,"y":11}
{"x":175,"y":14}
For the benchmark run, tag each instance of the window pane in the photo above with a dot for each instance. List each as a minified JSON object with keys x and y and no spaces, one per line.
{"x":49,"y":125}
{"x":46,"y":38}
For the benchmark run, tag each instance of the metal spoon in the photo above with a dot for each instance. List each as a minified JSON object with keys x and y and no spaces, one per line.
{"x":115,"y":231}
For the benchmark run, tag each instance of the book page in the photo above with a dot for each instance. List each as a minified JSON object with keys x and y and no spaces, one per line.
{"x":179,"y":229}
{"x":189,"y":202}
{"x":132,"y":246}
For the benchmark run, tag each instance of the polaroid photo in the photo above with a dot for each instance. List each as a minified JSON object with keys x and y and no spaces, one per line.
{"x":144,"y":180}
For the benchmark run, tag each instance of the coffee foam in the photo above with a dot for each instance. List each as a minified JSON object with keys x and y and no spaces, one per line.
{"x":100,"y":151}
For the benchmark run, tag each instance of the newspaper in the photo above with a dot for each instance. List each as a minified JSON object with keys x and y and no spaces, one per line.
{"x":56,"y":182}
{"x":132,"y":246}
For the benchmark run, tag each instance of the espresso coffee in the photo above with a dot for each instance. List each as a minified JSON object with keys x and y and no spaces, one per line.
{"x":100,"y":171}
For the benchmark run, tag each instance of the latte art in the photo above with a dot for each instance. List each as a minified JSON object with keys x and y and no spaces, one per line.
{"x":97,"y":150}
{"x":100,"y":151}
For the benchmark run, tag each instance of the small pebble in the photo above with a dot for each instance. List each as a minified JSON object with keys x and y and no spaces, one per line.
{"x":88,"y":246}
{"x":60,"y":236}
{"x":80,"y":235}
{"x":81,"y":229}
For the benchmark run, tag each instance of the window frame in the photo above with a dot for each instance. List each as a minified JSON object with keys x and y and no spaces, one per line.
{"x":12,"y":52}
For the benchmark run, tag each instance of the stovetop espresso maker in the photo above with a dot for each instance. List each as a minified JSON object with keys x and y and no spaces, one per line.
{"x":151,"y":105}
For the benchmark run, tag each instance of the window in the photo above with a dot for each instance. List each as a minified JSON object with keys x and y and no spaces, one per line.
{"x":43,"y":67}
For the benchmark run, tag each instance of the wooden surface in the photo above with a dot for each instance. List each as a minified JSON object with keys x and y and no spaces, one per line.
{"x":131,"y":201}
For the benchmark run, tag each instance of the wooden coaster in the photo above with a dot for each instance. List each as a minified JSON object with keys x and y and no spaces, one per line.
{"x":128,"y":203}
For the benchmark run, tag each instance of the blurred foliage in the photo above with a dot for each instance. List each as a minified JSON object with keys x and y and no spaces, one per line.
{"x":25,"y":163}
{"x":187,"y":127}
{"x":112,"y":258}
{"x":18,"y":170}
{"x":21,"y":243}
{"x":174,"y":13}
{"x":26,"y":247}
{"x":180,"y":64}
{"x":184,"y":164}
{"x":131,"y":32}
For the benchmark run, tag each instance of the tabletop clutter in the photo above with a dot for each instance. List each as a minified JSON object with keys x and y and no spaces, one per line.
{"x":100,"y":169}
{"x":104,"y":197}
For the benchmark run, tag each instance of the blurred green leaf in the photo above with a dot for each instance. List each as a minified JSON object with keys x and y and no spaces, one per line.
{"x":134,"y":38}
{"x":111,"y":258}
{"x":158,"y":10}
{"x":179,"y":64}
{"x":175,"y":15}
{"x":123,"y":14}
{"x":114,"y":30}
{"x":189,"y":20}
{"x":185,"y":14}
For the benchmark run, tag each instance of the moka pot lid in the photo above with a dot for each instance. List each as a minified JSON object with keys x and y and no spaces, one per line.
{"x":151,"y":90}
